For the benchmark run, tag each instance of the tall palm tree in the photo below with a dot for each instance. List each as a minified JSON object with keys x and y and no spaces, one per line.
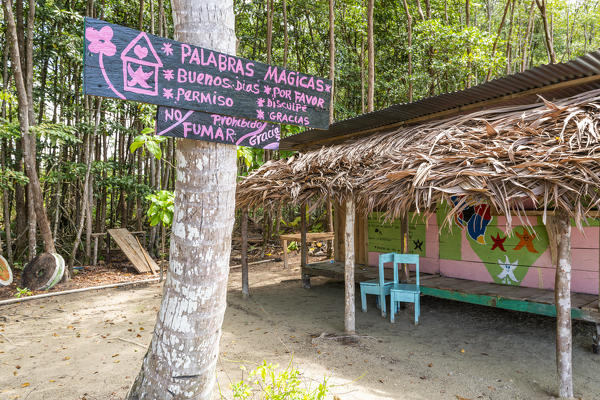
{"x":180,"y":362}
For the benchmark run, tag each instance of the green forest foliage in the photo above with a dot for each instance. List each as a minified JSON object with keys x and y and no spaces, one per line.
{"x":447,"y":55}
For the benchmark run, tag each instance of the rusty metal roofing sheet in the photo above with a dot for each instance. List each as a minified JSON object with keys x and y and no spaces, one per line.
{"x":535,"y":78}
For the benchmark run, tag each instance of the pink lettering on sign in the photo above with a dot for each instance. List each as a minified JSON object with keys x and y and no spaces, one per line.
{"x":178,"y":116}
{"x":132,"y":65}
{"x":296,"y":79}
{"x":223,"y":62}
{"x":217,"y":128}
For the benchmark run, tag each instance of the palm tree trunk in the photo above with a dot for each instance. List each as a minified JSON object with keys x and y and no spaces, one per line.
{"x":180,"y":362}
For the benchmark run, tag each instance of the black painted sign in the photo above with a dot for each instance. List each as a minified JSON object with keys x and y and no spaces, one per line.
{"x":192,"y":124}
{"x":131,"y":65}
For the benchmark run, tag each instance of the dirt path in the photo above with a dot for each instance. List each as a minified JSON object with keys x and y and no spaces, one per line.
{"x":90,"y":345}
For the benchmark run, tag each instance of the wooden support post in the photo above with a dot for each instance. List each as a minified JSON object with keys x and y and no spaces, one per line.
{"x":95,"y":261}
{"x":596,"y":338}
{"x":285,"y":253}
{"x":329,"y":226}
{"x":107,"y":237}
{"x":245,"y":285}
{"x":349,"y":318}
{"x":303,"y":247}
{"x":563,"y":307}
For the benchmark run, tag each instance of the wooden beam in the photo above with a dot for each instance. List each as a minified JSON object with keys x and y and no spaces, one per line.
{"x":330,"y":222}
{"x":562,"y":288}
{"x":457,"y":110}
{"x":303,"y":247}
{"x":245,"y":285}
{"x":349,"y":314}
{"x":339,"y":218}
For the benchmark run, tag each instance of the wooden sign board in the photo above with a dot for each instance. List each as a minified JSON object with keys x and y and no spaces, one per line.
{"x":131,"y":65}
{"x":192,"y":124}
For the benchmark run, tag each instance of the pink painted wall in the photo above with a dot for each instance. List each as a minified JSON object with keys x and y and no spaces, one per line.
{"x":585,"y":261}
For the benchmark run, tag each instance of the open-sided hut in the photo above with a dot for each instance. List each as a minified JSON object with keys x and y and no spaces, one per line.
{"x":485,"y":184}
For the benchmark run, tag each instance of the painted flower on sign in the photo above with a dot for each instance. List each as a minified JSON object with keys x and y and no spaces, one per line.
{"x":100,"y":41}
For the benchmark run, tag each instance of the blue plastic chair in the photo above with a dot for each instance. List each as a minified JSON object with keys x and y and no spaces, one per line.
{"x":380,"y":287}
{"x":406,"y":292}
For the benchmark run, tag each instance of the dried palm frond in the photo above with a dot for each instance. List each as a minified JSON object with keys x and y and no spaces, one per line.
{"x":545,"y":154}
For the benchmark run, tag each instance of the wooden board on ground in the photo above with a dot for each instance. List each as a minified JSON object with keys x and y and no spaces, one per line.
{"x":139,"y":257}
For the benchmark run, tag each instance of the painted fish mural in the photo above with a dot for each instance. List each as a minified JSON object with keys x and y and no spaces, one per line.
{"x":475,"y":218}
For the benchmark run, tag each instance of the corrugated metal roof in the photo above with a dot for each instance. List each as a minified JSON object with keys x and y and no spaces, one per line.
{"x":545,"y":78}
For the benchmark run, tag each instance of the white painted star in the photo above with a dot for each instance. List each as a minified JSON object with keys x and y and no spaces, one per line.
{"x":507,"y":276}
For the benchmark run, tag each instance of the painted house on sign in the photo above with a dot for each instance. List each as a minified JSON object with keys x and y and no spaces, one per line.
{"x":140,"y":66}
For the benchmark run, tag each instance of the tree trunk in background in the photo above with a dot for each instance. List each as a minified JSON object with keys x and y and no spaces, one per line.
{"x":7,"y":211}
{"x":28,"y":76}
{"x":141,"y":16}
{"x":547,"y":32}
{"x":86,"y":214}
{"x":28,"y":138}
{"x":468,"y":23}
{"x":420,"y":10}
{"x":362,"y":75}
{"x":180,"y":362}
{"x":31,"y":222}
{"x":562,"y":293}
{"x":152,"y":17}
{"x":509,"y":39}
{"x":332,"y":56}
{"x":371,"y":51}
{"x":269,"y":31}
{"x":285,"y":34}
{"x":161,"y":17}
{"x":489,"y":73}
{"x":527,"y":36}
{"x":410,"y":52}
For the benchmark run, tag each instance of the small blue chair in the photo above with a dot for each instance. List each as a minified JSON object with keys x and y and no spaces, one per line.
{"x":380,"y":287}
{"x":406,"y":292}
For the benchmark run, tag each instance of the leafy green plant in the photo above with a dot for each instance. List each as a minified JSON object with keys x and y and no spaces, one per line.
{"x":292,"y":224}
{"x":148,"y":141}
{"x":23,"y":292}
{"x":267,"y":383}
{"x":9,"y":178}
{"x":161,"y":207}
{"x":318,"y":227}
{"x":293,"y":246}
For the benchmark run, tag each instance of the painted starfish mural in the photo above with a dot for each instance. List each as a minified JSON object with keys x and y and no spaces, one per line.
{"x":506,"y":270}
{"x":526,"y":241}
{"x":507,"y":276}
{"x":418,"y":244}
{"x":498,"y":242}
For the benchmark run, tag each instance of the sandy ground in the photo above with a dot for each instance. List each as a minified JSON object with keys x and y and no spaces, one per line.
{"x":90,"y":345}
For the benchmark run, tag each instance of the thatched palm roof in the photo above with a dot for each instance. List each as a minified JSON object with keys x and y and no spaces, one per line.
{"x":547,"y":154}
